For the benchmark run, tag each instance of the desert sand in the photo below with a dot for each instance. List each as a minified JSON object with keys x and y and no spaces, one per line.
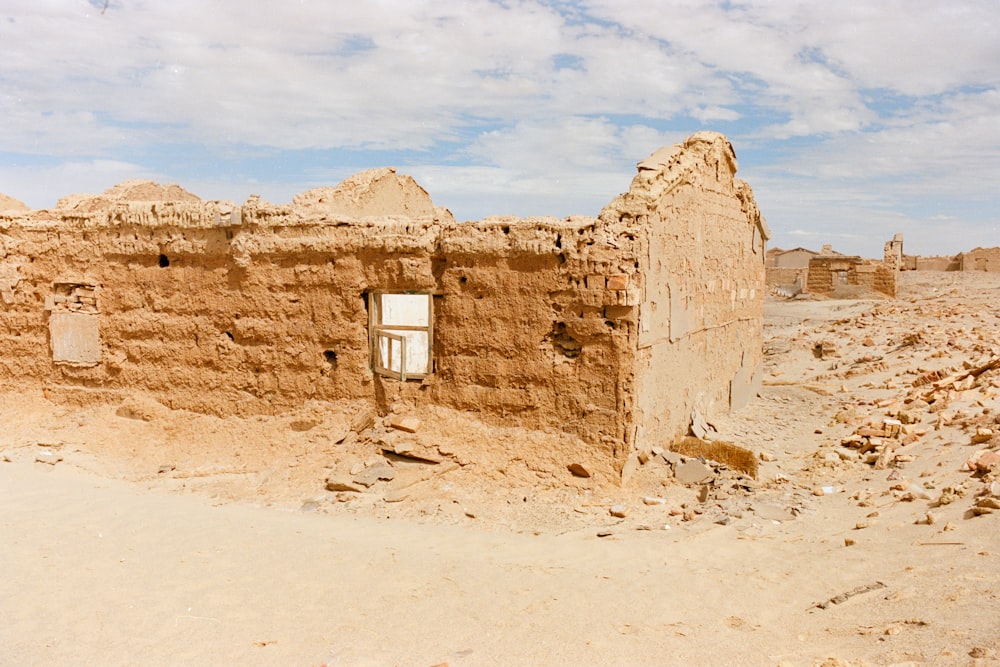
{"x":135,"y":534}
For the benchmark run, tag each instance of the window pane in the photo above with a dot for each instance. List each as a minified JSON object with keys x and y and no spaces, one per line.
{"x":417,"y":351}
{"x":389,"y":352}
{"x":405,"y":310}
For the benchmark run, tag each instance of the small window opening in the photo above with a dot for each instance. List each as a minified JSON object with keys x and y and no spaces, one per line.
{"x":164,"y":261}
{"x":330,"y":356}
{"x":400,"y":328}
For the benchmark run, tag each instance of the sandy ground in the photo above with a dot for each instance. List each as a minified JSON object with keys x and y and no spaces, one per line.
{"x":135,"y":534}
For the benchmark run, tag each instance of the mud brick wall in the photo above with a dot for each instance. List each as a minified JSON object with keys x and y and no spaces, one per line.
{"x":613,"y":328}
{"x":700,"y":319}
{"x":262,"y":316}
{"x":981,"y":259}
{"x":829,"y":273}
{"x":779,"y":276}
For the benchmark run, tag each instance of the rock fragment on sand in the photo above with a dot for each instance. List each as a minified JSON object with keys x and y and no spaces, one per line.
{"x":619,"y":511}
{"x":375,"y":473}
{"x":772,"y":512}
{"x":409,"y":424}
{"x":692,"y":471}
{"x":334,"y":484}
{"x":578,"y":470}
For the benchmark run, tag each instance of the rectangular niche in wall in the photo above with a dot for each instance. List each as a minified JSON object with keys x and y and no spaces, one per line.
{"x":73,"y":324}
{"x":401,"y":334}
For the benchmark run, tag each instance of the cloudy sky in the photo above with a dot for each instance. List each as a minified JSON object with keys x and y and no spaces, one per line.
{"x":851,"y":120}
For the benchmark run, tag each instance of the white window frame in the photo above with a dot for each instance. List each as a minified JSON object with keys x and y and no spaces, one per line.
{"x":383,"y":338}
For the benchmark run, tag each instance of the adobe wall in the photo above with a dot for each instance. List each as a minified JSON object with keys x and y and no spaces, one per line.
{"x":847,"y":275}
{"x":775,"y":276}
{"x":612,"y":328}
{"x":700,"y":320}
{"x":793,"y":259}
{"x":934,"y":263}
{"x":256,"y":309}
{"x":981,"y":259}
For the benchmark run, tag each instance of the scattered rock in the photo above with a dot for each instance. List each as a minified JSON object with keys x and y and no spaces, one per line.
{"x":703,"y":493}
{"x":374,"y":473}
{"x":578,"y":470}
{"x":396,"y":495}
{"x":302,"y":425}
{"x":333,"y":484}
{"x":164,"y":469}
{"x":409,"y":450}
{"x":982,"y":435}
{"x":49,"y":457}
{"x":408,"y":424}
{"x":693,"y":471}
{"x":772,"y":512}
{"x":700,"y":428}
{"x":619,"y":511}
{"x":983,"y":461}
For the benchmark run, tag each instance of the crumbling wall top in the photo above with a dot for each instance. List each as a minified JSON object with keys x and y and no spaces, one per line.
{"x":669,"y":167}
{"x":135,"y":190}
{"x":370,"y":193}
{"x":11,"y":204}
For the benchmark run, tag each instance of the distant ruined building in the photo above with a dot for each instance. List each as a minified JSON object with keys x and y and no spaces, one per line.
{"x":614,"y":328}
{"x":829,"y":273}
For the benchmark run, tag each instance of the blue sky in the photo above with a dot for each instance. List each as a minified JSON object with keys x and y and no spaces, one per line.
{"x":851,"y":121}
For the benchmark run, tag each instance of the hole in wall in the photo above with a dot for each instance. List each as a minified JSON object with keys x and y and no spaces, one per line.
{"x":559,"y":241}
{"x":229,"y":335}
{"x":463,"y":280}
{"x":563,"y":343}
{"x":164,"y":261}
{"x":506,"y":229}
{"x":331,"y":357}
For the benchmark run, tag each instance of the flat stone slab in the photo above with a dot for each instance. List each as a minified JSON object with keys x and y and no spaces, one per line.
{"x":693,"y":471}
{"x":374,"y":473}
{"x":772,"y":512}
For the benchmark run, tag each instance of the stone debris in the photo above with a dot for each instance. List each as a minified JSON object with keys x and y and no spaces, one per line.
{"x":700,"y":428}
{"x":48,"y":456}
{"x":844,"y":597}
{"x":578,"y":470}
{"x":619,"y":511}
{"x":334,"y":484}
{"x":407,"y":424}
{"x":772,"y":512}
{"x":984,"y":460}
{"x":692,"y":471}
{"x":375,"y":473}
{"x":406,"y":448}
{"x":733,"y":456}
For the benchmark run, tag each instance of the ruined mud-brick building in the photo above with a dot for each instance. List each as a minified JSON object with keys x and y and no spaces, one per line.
{"x":613,"y":328}
{"x":980,"y":259}
{"x":832,"y":273}
{"x":788,"y":268}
